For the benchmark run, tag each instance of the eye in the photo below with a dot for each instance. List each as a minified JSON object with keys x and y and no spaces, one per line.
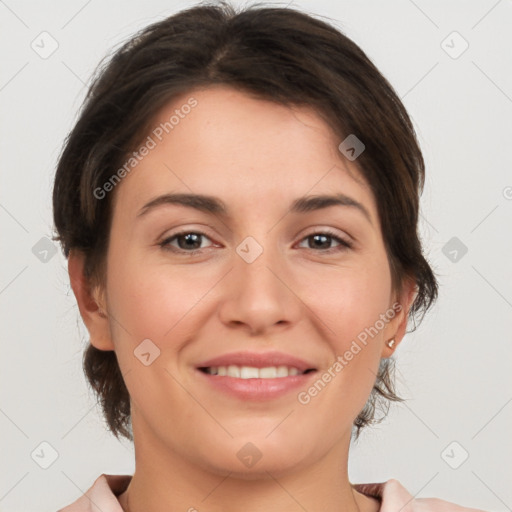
{"x":188,"y":241}
{"x":322,"y":239}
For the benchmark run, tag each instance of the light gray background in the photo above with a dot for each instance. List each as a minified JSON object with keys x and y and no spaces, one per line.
{"x":455,"y":369}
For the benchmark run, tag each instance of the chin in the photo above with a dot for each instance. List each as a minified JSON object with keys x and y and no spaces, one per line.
{"x":261,"y":471}
{"x":255,"y":460}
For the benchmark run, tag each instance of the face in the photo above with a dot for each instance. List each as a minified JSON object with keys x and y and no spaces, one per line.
{"x":248,"y":281}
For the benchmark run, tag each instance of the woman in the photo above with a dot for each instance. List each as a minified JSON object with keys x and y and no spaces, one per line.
{"x":239,"y":204}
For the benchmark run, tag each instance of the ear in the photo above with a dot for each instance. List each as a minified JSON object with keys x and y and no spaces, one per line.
{"x":90,"y":303}
{"x":396,"y":328}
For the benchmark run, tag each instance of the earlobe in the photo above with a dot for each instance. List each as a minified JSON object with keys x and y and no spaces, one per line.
{"x":391,"y":343}
{"x":399,"y":323}
{"x":91,"y":306}
{"x":389,"y":347}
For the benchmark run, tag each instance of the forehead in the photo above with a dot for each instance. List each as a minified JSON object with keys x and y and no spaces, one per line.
{"x":242,"y":148}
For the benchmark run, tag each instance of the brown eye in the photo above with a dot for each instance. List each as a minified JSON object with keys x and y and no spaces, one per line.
{"x":322,"y":241}
{"x":187,"y":241}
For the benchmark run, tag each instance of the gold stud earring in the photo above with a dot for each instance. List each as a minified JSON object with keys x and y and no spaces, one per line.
{"x":391,"y":343}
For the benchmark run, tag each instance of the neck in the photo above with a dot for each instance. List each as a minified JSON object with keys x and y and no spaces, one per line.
{"x":177,"y":486}
{"x":165,"y":481}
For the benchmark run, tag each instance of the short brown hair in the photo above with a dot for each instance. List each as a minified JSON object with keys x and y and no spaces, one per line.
{"x":277,"y":54}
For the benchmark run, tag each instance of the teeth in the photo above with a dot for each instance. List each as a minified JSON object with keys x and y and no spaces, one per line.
{"x":268,"y":373}
{"x":233,"y":371}
{"x":250,"y":372}
{"x":282,"y":371}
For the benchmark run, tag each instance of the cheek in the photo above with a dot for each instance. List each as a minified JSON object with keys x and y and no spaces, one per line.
{"x":154,"y":302}
{"x":350,"y":300}
{"x":350,"y":306}
{"x":151,"y":299}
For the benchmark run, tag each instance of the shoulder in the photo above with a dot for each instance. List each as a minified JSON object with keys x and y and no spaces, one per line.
{"x":101,"y":496}
{"x":394,"y":496}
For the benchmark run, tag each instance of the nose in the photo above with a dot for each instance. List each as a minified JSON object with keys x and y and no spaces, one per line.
{"x":259,"y":294}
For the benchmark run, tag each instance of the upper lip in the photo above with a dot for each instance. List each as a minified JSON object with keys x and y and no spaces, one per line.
{"x":258,"y":360}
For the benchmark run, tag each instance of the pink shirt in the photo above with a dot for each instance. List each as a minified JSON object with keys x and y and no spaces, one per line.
{"x":101,"y":497}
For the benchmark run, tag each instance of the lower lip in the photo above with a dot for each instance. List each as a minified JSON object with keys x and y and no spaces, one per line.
{"x":257,"y":389}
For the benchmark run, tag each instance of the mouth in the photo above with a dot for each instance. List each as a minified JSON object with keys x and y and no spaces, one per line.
{"x":253,"y":372}
{"x":256,"y":376}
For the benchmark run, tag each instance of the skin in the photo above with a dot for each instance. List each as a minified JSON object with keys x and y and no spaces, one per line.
{"x":295,"y":297}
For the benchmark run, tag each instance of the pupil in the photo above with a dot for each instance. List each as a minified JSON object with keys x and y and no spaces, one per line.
{"x":192,"y":238}
{"x":316,"y":237}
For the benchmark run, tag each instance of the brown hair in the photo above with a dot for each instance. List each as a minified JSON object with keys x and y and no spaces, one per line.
{"x":277,"y":54}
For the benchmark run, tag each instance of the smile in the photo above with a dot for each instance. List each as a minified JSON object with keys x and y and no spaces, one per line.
{"x":251,"y":372}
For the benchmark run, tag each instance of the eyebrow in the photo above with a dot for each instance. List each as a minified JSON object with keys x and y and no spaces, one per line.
{"x":210,"y":204}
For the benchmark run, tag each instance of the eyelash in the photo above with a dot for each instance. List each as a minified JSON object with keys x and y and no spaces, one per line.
{"x":344,"y":244}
